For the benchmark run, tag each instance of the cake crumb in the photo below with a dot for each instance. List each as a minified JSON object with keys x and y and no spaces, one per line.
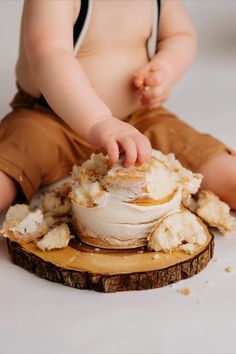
{"x":141,"y":251}
{"x":186,"y":291}
{"x":97,"y":249}
{"x":229,"y":269}
{"x":156,"y":256}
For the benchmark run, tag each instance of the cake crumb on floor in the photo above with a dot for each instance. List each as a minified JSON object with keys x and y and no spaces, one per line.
{"x":186,"y":291}
{"x":229,"y":269}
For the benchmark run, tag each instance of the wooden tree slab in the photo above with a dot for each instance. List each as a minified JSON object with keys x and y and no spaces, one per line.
{"x":85,"y":267}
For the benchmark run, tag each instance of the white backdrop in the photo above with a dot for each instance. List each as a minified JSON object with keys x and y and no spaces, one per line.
{"x":37,"y":316}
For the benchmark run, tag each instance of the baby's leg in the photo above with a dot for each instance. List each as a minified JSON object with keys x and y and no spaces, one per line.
{"x":220,"y":177}
{"x":7,"y":191}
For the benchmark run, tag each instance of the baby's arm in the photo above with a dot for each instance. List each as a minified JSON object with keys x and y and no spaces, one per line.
{"x":176,"y":51}
{"x":48,"y":34}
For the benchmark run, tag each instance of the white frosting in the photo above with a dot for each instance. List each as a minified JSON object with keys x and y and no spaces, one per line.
{"x":121,"y":232}
{"x":129,"y":192}
{"x":160,"y":182}
{"x":114,"y":211}
{"x":189,"y":182}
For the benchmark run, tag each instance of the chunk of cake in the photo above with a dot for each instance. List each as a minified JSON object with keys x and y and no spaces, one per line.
{"x":179,"y":229}
{"x":214,"y":212}
{"x":56,"y":238}
{"x":23,"y":225}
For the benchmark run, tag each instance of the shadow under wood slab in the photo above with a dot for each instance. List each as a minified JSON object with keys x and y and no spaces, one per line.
{"x":85,"y":267}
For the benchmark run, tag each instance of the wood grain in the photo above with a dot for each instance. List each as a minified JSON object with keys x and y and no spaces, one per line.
{"x":85,"y":267}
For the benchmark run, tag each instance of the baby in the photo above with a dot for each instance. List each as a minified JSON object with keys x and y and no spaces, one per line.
{"x":93,"y":74}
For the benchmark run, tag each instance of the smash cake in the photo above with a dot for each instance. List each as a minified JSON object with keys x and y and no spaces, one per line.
{"x":117,"y":207}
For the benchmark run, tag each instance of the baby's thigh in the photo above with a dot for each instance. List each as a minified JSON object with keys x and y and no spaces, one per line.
{"x":170,"y":134}
{"x":37,"y":148}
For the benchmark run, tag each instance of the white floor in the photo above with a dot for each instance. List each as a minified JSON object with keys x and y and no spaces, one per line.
{"x":37,"y":316}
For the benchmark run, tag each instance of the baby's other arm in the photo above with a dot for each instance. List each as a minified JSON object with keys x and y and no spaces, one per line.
{"x":176,"y":51}
{"x":48,"y":35}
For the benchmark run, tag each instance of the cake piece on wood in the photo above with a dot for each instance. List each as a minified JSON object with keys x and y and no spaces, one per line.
{"x":180,"y":229}
{"x":214,"y":212}
{"x":56,"y":238}
{"x":23,"y":225}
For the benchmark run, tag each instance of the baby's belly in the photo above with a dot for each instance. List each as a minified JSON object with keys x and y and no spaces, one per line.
{"x":110,"y":72}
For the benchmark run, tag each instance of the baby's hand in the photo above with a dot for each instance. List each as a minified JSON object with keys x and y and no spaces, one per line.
{"x":114,"y":136}
{"x":154,"y":86}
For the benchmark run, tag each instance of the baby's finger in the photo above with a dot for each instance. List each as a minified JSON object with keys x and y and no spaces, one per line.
{"x":153,"y":79}
{"x":112,"y":150}
{"x":155,"y":104}
{"x":144,"y":149}
{"x":159,"y":100}
{"x":151,"y":92}
{"x":138,"y":80}
{"x":146,"y":101}
{"x":130,"y":149}
{"x":154,"y":100}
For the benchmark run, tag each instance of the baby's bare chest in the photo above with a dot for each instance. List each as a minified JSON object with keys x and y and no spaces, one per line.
{"x":118,"y":23}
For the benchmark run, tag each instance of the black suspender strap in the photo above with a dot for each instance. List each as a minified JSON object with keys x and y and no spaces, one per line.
{"x":159,"y":10}
{"x":158,"y":18}
{"x":78,"y":26}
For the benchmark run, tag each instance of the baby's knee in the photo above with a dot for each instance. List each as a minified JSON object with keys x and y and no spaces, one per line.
{"x":8,"y":191}
{"x":220,"y":177}
{"x":228,"y":193}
